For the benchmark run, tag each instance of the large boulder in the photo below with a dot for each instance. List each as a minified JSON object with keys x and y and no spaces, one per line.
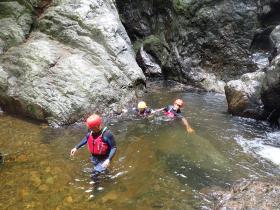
{"x":244,"y":95}
{"x":15,"y":24}
{"x":81,"y":61}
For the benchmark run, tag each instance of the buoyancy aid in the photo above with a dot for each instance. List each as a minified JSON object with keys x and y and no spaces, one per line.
{"x":145,"y":113}
{"x":169,"y":112}
{"x":97,"y":146}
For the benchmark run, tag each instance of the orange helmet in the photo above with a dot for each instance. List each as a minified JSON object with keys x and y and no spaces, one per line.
{"x":179,"y":102}
{"x":93,"y":121}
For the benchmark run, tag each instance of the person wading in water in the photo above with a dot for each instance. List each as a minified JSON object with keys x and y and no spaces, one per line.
{"x":101,"y":144}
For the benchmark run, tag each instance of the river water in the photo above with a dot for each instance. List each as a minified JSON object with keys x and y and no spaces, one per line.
{"x":157,"y":165}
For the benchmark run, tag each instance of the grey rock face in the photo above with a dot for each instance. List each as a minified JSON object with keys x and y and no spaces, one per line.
{"x":80,"y":62}
{"x":275,"y":39}
{"x":214,"y":35}
{"x":148,"y":64}
{"x":15,"y":23}
{"x":243,"y":96}
{"x":271,"y":88}
{"x":94,"y":27}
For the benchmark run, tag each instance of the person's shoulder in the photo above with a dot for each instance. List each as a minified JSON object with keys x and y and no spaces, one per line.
{"x":149,"y":110}
{"x":168,"y":107}
{"x":107,"y":132}
{"x":179,"y":114}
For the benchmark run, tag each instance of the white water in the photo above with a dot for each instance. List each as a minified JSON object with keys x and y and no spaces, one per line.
{"x":258,"y":146}
{"x":261,"y":59}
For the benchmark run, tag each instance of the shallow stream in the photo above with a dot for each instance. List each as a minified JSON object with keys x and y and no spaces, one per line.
{"x":157,"y":166}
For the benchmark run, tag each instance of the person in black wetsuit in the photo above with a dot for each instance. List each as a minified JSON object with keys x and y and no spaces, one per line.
{"x":101,"y":144}
{"x":142,"y":110}
{"x":174,"y":111}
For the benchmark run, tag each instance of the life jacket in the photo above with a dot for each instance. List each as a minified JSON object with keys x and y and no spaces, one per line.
{"x":169,"y":112}
{"x":97,"y":146}
{"x":145,"y":113}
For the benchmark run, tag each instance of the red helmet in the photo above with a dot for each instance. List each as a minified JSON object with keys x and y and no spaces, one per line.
{"x":93,"y":121}
{"x":179,"y":102}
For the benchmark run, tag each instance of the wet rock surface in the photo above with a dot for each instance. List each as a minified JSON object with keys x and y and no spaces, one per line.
{"x":249,"y":195}
{"x":243,"y":96}
{"x":148,"y":64}
{"x":270,"y":95}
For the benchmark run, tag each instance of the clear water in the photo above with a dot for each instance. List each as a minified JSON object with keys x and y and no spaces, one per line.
{"x":157,"y":166}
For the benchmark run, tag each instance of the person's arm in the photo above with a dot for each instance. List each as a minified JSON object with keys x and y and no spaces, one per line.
{"x":110,"y":140}
{"x":78,"y":146}
{"x":188,"y":127}
{"x":161,"y":109}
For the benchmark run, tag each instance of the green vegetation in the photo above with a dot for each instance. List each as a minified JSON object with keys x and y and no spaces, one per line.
{"x":181,"y":6}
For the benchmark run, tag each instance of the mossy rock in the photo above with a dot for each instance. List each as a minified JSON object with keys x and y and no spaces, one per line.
{"x":156,"y":47}
{"x":154,"y":44}
{"x":181,"y":6}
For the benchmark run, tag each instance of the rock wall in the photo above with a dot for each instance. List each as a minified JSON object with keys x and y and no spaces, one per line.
{"x":186,"y":37}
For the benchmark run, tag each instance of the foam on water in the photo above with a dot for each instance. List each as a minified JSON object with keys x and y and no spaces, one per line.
{"x":258,"y":146}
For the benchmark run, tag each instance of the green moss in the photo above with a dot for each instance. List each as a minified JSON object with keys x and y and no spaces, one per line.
{"x":180,"y":6}
{"x":137,"y":44}
{"x":34,"y":111}
{"x":152,"y":40}
{"x":31,"y":109}
{"x":149,"y":42}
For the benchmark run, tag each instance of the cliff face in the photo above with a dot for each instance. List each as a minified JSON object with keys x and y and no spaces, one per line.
{"x":63,"y":62}
{"x":187,"y":36}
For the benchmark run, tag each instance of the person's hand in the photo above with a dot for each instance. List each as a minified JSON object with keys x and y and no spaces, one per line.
{"x":106,"y":163}
{"x":73,"y":151}
{"x":190,"y":130}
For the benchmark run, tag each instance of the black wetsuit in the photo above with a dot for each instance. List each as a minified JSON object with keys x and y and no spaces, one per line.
{"x":177,"y":113}
{"x":146,"y":112}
